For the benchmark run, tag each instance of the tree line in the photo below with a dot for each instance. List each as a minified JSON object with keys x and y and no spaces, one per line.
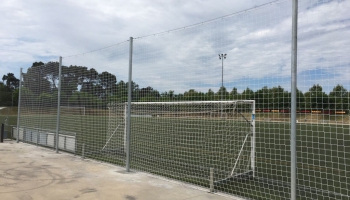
{"x":9,"y":90}
{"x":81,"y":86}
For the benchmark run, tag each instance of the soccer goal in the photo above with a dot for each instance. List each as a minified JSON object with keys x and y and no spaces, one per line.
{"x":72,"y":110}
{"x":191,"y":137}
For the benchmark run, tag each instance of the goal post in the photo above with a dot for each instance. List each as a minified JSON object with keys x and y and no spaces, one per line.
{"x":210,"y":134}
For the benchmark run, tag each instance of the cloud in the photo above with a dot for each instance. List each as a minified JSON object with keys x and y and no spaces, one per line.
{"x":257,"y":41}
{"x":258,"y":44}
{"x":52,"y":28}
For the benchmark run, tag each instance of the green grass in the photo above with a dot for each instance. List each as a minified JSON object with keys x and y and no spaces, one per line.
{"x":186,"y":150}
{"x":11,"y":121}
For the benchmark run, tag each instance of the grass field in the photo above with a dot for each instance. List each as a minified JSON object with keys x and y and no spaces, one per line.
{"x":186,"y":151}
{"x":8,"y":116}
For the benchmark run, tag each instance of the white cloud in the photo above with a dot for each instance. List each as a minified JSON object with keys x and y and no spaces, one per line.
{"x":53,"y":28}
{"x":257,"y":41}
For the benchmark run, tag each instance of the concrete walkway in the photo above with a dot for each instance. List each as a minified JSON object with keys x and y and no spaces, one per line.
{"x":28,"y":172}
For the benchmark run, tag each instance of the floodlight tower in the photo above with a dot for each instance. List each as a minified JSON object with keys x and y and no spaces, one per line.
{"x":222,"y":57}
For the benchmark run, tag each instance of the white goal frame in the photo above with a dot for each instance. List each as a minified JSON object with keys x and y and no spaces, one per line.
{"x":252,"y":134}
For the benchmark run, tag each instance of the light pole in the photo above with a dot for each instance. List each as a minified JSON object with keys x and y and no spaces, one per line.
{"x":222,"y":57}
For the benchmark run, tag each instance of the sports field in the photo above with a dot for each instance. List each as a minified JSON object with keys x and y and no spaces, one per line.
{"x":186,"y":150}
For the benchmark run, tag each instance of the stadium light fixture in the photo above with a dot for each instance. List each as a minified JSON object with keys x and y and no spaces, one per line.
{"x":222,"y":57}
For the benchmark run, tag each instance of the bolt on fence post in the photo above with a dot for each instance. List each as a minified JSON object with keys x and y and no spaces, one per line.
{"x":293,"y":181}
{"x":129,"y":109}
{"x":83,"y":151}
{"x":19,"y":105}
{"x":58,"y":102}
{"x":211,"y":180}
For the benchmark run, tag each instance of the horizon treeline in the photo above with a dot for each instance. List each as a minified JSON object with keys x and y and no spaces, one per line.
{"x":81,"y":86}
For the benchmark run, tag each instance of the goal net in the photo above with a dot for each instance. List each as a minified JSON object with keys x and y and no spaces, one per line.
{"x":187,"y":139}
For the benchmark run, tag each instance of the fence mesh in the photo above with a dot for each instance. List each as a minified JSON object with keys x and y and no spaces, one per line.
{"x":185,"y":121}
{"x":323,"y":140}
{"x":39,"y":104}
{"x":184,"y":65}
{"x":184,"y":140}
{"x":7,"y":98}
{"x":85,"y":97}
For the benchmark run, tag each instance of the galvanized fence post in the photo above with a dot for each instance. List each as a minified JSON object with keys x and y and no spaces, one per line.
{"x":129,"y":109}
{"x":293,"y":181}
{"x":37,"y":137}
{"x":19,"y":104}
{"x":211,"y":180}
{"x":75,"y":144}
{"x":58,"y":103}
{"x":83,"y":151}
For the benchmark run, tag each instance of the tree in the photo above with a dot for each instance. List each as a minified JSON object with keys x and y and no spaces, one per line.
{"x":339,"y":98}
{"x":262,"y":98}
{"x":5,"y":95}
{"x":171,"y":94}
{"x":88,"y":79}
{"x":315,"y":98}
{"x":10,"y":81}
{"x":279,"y":98}
{"x":247,"y":94}
{"x":167,"y":96}
{"x":222,"y":94}
{"x":4,"y":88}
{"x":300,"y":99}
{"x":35,"y":79}
{"x":121,"y":89}
{"x":148,"y":94}
{"x":210,"y":95}
{"x":193,"y":95}
{"x":70,"y":80}
{"x":107,"y":81}
{"x":15,"y":97}
{"x":234,"y":93}
{"x":51,"y":72}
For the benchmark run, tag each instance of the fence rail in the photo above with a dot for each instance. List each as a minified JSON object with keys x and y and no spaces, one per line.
{"x":67,"y":140}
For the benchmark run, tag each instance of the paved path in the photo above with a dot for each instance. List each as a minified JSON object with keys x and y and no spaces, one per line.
{"x":28,"y":172}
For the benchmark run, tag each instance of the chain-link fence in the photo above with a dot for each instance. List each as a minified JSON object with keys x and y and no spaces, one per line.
{"x":210,"y":104}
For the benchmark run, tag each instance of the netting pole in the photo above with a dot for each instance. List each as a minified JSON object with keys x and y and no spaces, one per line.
{"x":19,"y":104}
{"x":253,"y":142}
{"x":58,"y":103}
{"x":293,"y":192}
{"x":211,"y":180}
{"x":83,"y":151}
{"x":129,"y":110}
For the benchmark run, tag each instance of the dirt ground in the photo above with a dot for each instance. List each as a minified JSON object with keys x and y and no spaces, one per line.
{"x":28,"y":172}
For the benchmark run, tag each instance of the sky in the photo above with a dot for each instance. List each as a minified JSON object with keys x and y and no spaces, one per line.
{"x":255,"y":35}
